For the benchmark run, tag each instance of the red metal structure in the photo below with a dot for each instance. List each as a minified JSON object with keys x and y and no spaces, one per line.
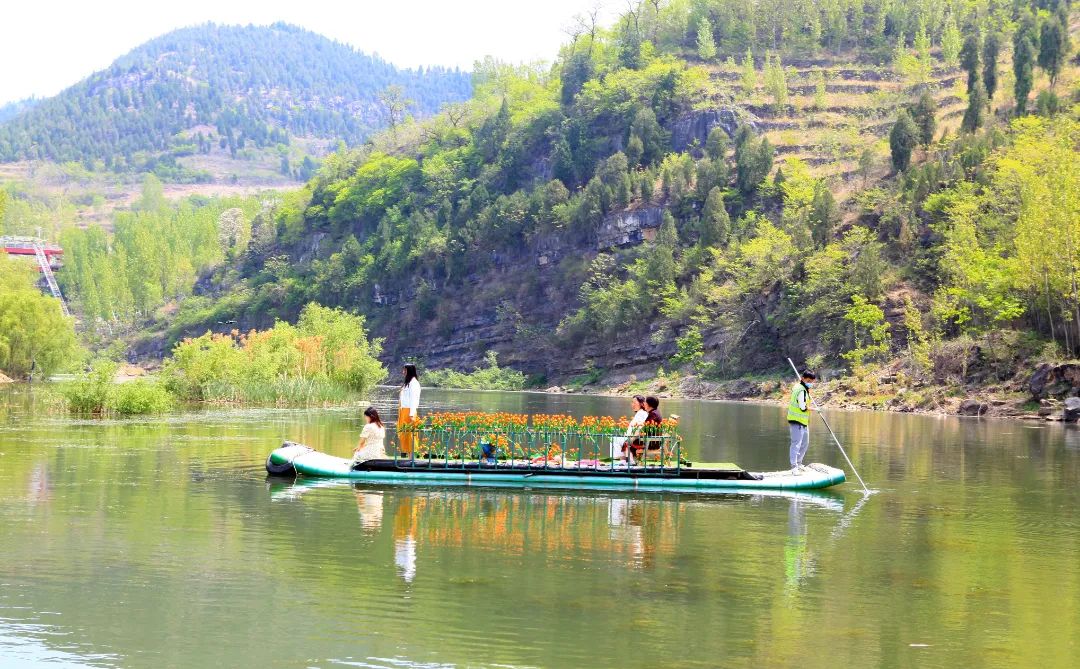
{"x":46,"y":256}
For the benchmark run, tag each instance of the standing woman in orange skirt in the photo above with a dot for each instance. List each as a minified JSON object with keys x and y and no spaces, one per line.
{"x":409,"y":403}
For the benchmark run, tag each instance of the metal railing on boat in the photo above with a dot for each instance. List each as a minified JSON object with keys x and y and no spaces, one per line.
{"x":532,"y":450}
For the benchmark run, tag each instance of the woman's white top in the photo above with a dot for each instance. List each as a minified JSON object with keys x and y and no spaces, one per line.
{"x":635,"y":424}
{"x":637,"y":421}
{"x":410,"y":397}
{"x":371,"y":446}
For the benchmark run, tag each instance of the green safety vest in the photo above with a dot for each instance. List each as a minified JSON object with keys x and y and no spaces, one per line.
{"x":796,"y":413}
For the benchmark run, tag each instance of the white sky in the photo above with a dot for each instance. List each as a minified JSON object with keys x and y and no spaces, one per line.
{"x":48,"y":45}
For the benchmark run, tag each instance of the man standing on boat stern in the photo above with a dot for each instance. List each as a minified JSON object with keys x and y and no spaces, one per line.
{"x":798,"y":418}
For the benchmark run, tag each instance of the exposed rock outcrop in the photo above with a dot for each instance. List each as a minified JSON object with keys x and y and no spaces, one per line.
{"x":693,"y":128}
{"x":627,"y":228}
{"x":972,"y":408}
{"x":1055,"y":380}
{"x":1071,"y":412}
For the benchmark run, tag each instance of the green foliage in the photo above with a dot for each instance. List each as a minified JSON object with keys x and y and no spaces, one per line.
{"x":715,"y":222}
{"x":969,"y":60}
{"x":706,"y":45}
{"x":153,"y":255}
{"x":923,"y":113}
{"x":327,"y":351}
{"x":90,"y":393}
{"x":870,"y":333}
{"x":820,"y":90}
{"x":491,"y":377}
{"x":95,"y":392}
{"x":716,"y":144}
{"x":34,"y":333}
{"x":748,"y":78}
{"x":1023,"y":64}
{"x":136,"y":398}
{"x":690,"y":347}
{"x":902,"y":140}
{"x":951,"y":42}
{"x":753,"y":160}
{"x":918,"y":340}
{"x":974,"y":115}
{"x":1047,"y":103}
{"x":776,"y":81}
{"x":1009,"y":246}
{"x":991,"y":52}
{"x":922,"y":54}
{"x":835,"y":274}
{"x":1053,"y":47}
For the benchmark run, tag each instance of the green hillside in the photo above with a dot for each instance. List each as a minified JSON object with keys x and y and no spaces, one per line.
{"x":868,"y":196}
{"x":229,"y":87}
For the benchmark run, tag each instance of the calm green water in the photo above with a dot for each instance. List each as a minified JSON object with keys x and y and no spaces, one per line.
{"x":160,"y":543}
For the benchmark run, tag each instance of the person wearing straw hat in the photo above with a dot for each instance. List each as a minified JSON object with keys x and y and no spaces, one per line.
{"x":798,"y":418}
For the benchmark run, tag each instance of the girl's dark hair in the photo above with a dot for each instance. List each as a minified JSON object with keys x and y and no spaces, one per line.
{"x":807,"y":374}
{"x":640,"y":399}
{"x":410,"y":374}
{"x":373,"y":414}
{"x":652,"y":402}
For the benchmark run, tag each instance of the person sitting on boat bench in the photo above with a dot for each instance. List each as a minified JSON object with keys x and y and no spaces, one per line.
{"x":371,"y":445}
{"x":653,"y":420}
{"x":798,"y":418}
{"x":621,"y":445}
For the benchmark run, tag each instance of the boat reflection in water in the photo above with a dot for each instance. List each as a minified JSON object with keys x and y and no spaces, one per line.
{"x":639,"y":531}
{"x":370,"y":506}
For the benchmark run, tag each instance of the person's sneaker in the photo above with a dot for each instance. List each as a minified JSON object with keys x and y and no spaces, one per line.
{"x":795,"y":471}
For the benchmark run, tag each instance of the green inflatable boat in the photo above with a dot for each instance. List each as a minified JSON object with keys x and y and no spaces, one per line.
{"x":294,"y":459}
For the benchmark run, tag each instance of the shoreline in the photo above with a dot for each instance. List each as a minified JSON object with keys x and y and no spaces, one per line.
{"x":1014,"y":401}
{"x":1006,"y":401}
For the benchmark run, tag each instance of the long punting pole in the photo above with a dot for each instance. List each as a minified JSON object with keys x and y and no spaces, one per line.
{"x":798,"y":379}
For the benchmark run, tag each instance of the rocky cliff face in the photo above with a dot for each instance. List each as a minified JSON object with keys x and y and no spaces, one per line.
{"x":693,"y":129}
{"x":629,"y":228}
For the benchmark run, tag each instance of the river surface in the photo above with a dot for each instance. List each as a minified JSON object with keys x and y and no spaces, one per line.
{"x":161,"y":543}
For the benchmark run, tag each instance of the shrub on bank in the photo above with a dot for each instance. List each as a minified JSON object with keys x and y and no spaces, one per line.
{"x":95,"y":393}
{"x":325,"y":358}
{"x":137,"y":398}
{"x":491,"y":377}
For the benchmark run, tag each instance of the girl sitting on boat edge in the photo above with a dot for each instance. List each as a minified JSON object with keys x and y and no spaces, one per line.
{"x":371,"y":445}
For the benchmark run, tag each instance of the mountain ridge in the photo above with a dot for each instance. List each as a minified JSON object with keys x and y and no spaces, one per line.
{"x":254,"y":85}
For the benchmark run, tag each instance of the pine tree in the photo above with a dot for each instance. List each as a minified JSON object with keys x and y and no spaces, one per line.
{"x":716,"y":144}
{"x":923,"y":113}
{"x":1023,"y":57}
{"x":1052,"y":48}
{"x":969,"y":60}
{"x":823,"y":214}
{"x":902,"y":140}
{"x":706,"y":45}
{"x":991,"y":51}
{"x":973,"y":115}
{"x":715,"y":222}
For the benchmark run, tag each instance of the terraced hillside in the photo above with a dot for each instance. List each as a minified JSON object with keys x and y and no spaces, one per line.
{"x":860,"y":103}
{"x":831,"y":132}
